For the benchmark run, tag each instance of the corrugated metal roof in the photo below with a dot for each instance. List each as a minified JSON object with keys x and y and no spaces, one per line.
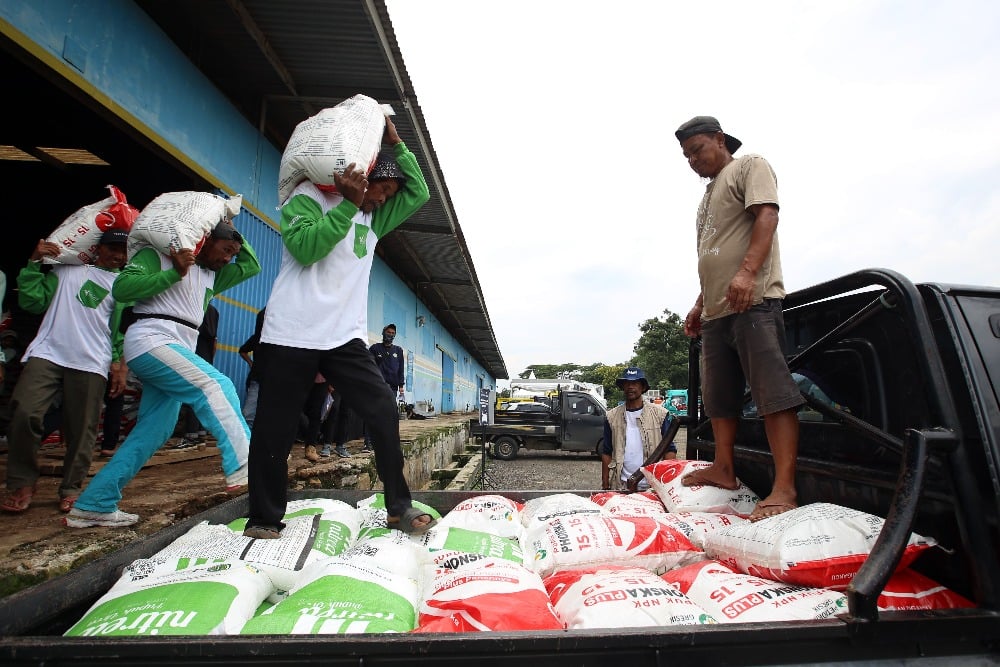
{"x":281,"y":62}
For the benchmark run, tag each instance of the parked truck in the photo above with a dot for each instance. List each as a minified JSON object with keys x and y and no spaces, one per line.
{"x":907,"y":427}
{"x":574,"y":422}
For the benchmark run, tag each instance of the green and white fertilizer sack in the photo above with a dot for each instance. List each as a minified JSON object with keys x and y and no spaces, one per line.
{"x":374,"y":516}
{"x":820,"y":545}
{"x":620,"y":597}
{"x":733,"y":597}
{"x":177,"y":220}
{"x":373,"y":588}
{"x":451,"y":546}
{"x":176,"y":597}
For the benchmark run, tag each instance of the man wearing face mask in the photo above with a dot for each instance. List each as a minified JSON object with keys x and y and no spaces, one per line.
{"x":389,"y":359}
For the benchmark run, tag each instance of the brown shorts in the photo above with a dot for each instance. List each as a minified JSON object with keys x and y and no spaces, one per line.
{"x":742,"y":348}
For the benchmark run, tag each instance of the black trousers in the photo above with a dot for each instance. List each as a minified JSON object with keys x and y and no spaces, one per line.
{"x":287,"y":375}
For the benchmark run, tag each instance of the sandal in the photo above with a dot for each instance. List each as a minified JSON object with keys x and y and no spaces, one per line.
{"x":19,"y":500}
{"x":66,"y":503}
{"x":405,"y":522}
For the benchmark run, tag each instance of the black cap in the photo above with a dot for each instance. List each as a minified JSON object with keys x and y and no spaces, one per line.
{"x":114,"y":236}
{"x":706,"y":125}
{"x":386,"y":167}
{"x":226,"y":232}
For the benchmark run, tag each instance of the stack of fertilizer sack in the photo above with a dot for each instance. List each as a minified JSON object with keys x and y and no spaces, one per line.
{"x":671,"y":556}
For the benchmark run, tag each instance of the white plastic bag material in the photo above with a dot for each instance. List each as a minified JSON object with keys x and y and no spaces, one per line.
{"x":820,"y":545}
{"x":448,"y":545}
{"x":178,"y":220}
{"x":630,"y":504}
{"x":324,"y":144}
{"x":620,"y":597}
{"x":733,"y":597}
{"x":79,"y":235}
{"x":664,"y":478}
{"x":165,"y":596}
{"x":582,"y":541}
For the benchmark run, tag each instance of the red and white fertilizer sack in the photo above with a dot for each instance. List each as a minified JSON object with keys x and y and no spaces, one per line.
{"x":582,"y":541}
{"x":696,"y":525}
{"x":820,"y":545}
{"x":326,"y":143}
{"x":733,"y":597}
{"x":908,"y":589}
{"x":614,"y":503}
{"x":487,"y":514}
{"x":176,"y":597}
{"x":79,"y":235}
{"x":352,"y":593}
{"x":664,"y":478}
{"x":538,"y":511}
{"x":620,"y":597}
{"x":178,"y":220}
{"x":491,"y":594}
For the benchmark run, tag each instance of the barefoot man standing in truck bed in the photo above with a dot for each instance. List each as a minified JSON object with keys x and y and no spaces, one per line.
{"x":738,"y":312}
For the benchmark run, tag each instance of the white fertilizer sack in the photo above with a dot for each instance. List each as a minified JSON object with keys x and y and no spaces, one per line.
{"x":488,"y":514}
{"x":820,"y":545}
{"x":539,"y":510}
{"x":326,"y":143}
{"x":176,"y":597}
{"x":619,"y":597}
{"x":665,"y":477}
{"x":178,"y":220}
{"x":450,"y":546}
{"x":79,"y":235}
{"x":585,"y":541}
{"x":733,"y":597}
{"x":696,"y":525}
{"x":630,"y":504}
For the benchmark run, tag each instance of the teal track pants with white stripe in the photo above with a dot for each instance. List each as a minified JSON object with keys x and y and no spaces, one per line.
{"x":171,"y":375}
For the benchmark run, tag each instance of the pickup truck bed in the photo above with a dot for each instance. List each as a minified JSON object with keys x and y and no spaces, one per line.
{"x":903,"y":421}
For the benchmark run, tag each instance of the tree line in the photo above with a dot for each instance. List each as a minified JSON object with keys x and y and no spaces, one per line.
{"x":661,"y":352}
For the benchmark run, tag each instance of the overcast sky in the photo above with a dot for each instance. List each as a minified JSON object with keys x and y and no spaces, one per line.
{"x":553,"y":123}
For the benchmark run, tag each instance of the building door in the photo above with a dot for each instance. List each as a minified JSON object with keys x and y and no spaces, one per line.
{"x":447,"y":383}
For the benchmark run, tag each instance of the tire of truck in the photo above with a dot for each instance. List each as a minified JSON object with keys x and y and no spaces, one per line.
{"x":505,"y":448}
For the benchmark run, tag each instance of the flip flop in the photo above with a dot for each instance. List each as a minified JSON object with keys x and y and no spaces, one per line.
{"x":697,"y":479}
{"x":66,"y":503}
{"x":405,"y":522}
{"x":19,"y":500}
{"x":767,"y":510}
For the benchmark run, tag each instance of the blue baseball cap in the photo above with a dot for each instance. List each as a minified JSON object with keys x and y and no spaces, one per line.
{"x":632,"y":374}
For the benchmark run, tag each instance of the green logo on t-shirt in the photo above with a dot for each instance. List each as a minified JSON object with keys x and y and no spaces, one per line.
{"x":91,"y":294}
{"x":360,"y":240}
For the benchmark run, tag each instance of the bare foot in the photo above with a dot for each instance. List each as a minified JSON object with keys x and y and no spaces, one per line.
{"x":712,"y":476}
{"x":775,"y":504}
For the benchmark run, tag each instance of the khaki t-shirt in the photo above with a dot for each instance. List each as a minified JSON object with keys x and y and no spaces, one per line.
{"x":724,"y":226}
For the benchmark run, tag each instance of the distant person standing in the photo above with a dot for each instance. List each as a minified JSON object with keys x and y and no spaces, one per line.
{"x":392,"y":364}
{"x":738,"y":313}
{"x":317,"y":321}
{"x":247,"y":351}
{"x":632,"y":432}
